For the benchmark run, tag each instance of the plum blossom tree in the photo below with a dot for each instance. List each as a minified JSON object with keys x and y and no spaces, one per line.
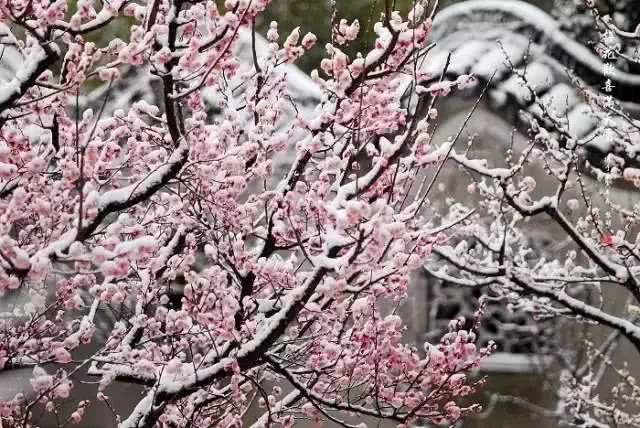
{"x":570,"y":188}
{"x":229,"y":284}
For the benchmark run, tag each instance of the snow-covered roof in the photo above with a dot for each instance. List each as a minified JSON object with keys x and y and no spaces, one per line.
{"x":485,"y":37}
{"x":524,"y":18}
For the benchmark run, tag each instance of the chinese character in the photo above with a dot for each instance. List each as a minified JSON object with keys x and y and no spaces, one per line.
{"x":609,"y":102}
{"x":608,"y":69}
{"x":608,"y":86}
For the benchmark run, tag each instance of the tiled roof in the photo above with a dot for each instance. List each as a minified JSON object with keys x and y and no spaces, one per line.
{"x":508,"y":38}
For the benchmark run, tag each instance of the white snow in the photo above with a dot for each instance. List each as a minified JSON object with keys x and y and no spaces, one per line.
{"x":134,"y":245}
{"x":300,"y":86}
{"x":499,"y":59}
{"x":581,"y":120}
{"x":467,"y":55}
{"x":480,"y":166}
{"x":435,"y":63}
{"x":26,"y":71}
{"x":125,"y":193}
{"x":539,"y":77}
{"x":165,"y":252}
{"x":537,"y":18}
{"x":558,"y":101}
{"x":101,"y":18}
{"x":143,"y":408}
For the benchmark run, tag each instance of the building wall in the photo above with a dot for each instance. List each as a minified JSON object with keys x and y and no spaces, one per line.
{"x":492,"y":134}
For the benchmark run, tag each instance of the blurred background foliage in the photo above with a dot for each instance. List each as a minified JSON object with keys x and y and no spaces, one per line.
{"x":315,"y":16}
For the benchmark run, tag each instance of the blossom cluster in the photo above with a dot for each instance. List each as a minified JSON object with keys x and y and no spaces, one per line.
{"x":219,"y":274}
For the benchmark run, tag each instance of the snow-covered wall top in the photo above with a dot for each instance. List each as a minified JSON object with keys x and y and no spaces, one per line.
{"x":525,"y":19}
{"x":492,"y":38}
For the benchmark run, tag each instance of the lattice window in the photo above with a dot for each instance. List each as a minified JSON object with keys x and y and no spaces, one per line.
{"x":522,"y":344}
